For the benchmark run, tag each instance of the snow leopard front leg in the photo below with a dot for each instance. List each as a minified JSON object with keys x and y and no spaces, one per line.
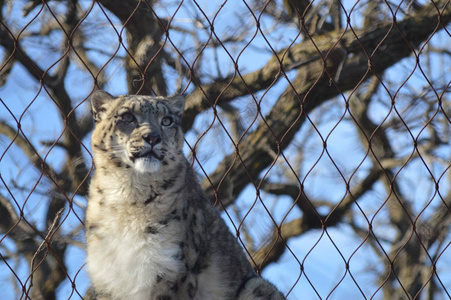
{"x":258,"y":288}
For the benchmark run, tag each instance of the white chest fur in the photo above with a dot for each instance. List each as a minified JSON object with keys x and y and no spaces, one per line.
{"x":126,"y":262}
{"x":123,"y":259}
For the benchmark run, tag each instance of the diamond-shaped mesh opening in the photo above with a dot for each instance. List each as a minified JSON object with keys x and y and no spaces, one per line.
{"x":320,"y":129}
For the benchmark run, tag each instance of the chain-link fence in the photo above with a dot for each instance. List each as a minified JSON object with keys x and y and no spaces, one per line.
{"x":321,"y":129}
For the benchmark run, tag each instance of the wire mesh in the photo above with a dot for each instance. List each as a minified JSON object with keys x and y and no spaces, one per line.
{"x":320,"y":129}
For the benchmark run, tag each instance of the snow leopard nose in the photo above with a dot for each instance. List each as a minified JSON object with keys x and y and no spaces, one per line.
{"x":152,"y":138}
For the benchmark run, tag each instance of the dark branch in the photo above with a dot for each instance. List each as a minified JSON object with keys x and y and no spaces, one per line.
{"x":316,"y":82}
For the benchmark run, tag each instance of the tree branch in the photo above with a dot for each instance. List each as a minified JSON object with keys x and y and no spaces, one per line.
{"x":273,"y":249}
{"x":373,"y":52}
{"x":144,"y":32}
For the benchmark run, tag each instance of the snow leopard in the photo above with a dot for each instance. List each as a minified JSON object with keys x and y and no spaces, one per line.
{"x":151,"y":232}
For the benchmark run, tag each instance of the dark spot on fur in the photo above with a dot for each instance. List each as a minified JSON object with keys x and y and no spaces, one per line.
{"x":164,"y":163}
{"x":159,"y":278}
{"x":150,"y":199}
{"x":119,"y":164}
{"x":180,"y":255}
{"x":259,"y":292}
{"x":151,"y":230}
{"x":174,"y":216}
{"x":167,"y":184}
{"x":92,"y":227}
{"x":174,"y":287}
{"x":183,"y":279}
{"x":184,"y":213}
{"x":100,"y":147}
{"x":102,"y":202}
{"x":192,"y":289}
{"x":100,"y":191}
{"x":163,"y":222}
{"x":195,"y":269}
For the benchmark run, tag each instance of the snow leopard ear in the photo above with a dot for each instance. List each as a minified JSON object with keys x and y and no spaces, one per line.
{"x":177,"y":104}
{"x":98,"y":99}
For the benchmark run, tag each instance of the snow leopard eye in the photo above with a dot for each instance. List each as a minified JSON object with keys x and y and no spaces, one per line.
{"x":167,"y":121}
{"x":128,"y":117}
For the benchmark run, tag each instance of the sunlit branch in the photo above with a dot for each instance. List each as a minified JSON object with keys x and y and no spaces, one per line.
{"x":310,"y":57}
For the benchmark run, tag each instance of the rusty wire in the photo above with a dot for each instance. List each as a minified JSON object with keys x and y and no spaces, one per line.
{"x":341,"y":72}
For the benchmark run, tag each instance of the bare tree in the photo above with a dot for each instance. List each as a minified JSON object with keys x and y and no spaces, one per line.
{"x":344,"y":111}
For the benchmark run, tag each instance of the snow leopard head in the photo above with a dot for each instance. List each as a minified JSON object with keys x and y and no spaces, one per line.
{"x":138,"y":132}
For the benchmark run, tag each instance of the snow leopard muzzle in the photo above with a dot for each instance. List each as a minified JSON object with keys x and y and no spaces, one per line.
{"x":148,"y":154}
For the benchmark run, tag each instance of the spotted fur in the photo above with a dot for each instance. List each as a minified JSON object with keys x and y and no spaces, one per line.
{"x":151,"y":232}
